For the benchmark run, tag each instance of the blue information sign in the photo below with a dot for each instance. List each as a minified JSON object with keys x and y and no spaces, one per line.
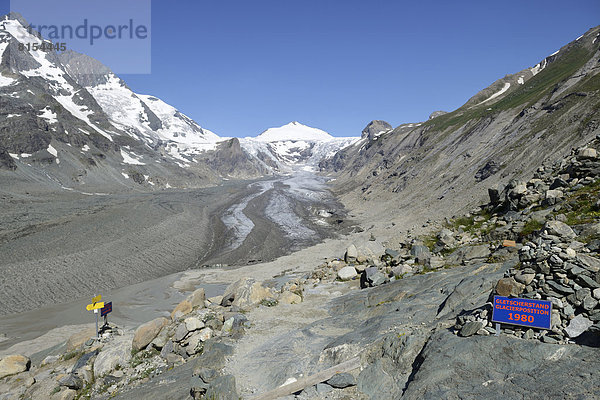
{"x":525,"y":312}
{"x":106,"y":309}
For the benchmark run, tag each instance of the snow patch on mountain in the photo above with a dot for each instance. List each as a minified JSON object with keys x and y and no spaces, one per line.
{"x":502,"y":91}
{"x":5,"y":80}
{"x":48,"y":115}
{"x":52,"y":150}
{"x":131,"y":158}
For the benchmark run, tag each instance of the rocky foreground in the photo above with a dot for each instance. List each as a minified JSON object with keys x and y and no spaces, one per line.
{"x":408,"y":320}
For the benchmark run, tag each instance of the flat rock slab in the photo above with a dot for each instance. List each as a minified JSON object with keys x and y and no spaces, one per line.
{"x":503,"y":367}
{"x":175,"y":384}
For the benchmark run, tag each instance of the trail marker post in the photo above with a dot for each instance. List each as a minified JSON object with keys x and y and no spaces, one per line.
{"x":95,"y":306}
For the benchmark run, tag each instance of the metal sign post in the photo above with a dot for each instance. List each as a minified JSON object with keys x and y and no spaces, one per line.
{"x":97,"y":332}
{"x":95,"y":306}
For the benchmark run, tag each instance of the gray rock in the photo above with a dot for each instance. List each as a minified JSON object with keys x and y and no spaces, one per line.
{"x":378,"y":279}
{"x":470,"y":328}
{"x":213,"y":356}
{"x":222,"y":387}
{"x":489,"y":359}
{"x":435,"y":262}
{"x":84,"y":360}
{"x":193,"y":324}
{"x":559,"y":229}
{"x":589,"y":303}
{"x":420,"y":252}
{"x":590,"y":263}
{"x":525,"y":279}
{"x":71,"y":381}
{"x":560,"y":288}
{"x":347,"y":273}
{"x":351,"y":254}
{"x":529,"y":334}
{"x":208,"y":374}
{"x":180,"y":333}
{"x":476,"y":252}
{"x":577,"y":326}
{"x":342,"y":380}
{"x":323,"y":388}
{"x":549,"y":340}
{"x":118,"y":353}
{"x":168,"y":348}
{"x":587,"y":153}
{"x":586,"y":281}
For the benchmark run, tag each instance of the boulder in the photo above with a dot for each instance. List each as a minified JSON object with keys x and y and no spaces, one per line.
{"x":183,"y":308}
{"x":288,"y":297}
{"x":71,"y":381}
{"x":250,"y":293}
{"x":180,"y":333}
{"x":401,"y":270}
{"x":435,"y":262}
{"x":478,"y":252}
{"x":590,"y":263}
{"x":524,"y":278}
{"x":559,"y":228}
{"x":587,"y":153}
{"x":420,"y":252}
{"x":146,"y":333}
{"x":470,"y":328}
{"x":76,"y":340}
{"x":342,"y":380}
{"x":554,"y":194}
{"x":14,"y":364}
{"x":509,"y":287}
{"x":577,"y":326}
{"x":351,"y":254}
{"x":193,"y":324}
{"x":205,"y":334}
{"x":117,"y":353}
{"x":347,"y":273}
{"x":197,"y":298}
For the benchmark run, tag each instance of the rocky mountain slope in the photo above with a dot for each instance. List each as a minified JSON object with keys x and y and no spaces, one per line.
{"x":432,"y":169}
{"x":68,"y":122}
{"x":374,"y":322}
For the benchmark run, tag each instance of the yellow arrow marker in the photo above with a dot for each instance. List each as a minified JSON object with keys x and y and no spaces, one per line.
{"x":94,"y":306}
{"x":97,"y":299}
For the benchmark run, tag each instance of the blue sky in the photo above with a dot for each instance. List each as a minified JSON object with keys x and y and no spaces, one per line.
{"x":240,"y":67}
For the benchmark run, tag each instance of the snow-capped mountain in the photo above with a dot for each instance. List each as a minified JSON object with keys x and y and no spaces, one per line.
{"x":69,"y":120}
{"x":294,"y":131}
{"x":294,"y":146}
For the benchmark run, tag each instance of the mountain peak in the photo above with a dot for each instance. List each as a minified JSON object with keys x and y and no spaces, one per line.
{"x":294,"y":131}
